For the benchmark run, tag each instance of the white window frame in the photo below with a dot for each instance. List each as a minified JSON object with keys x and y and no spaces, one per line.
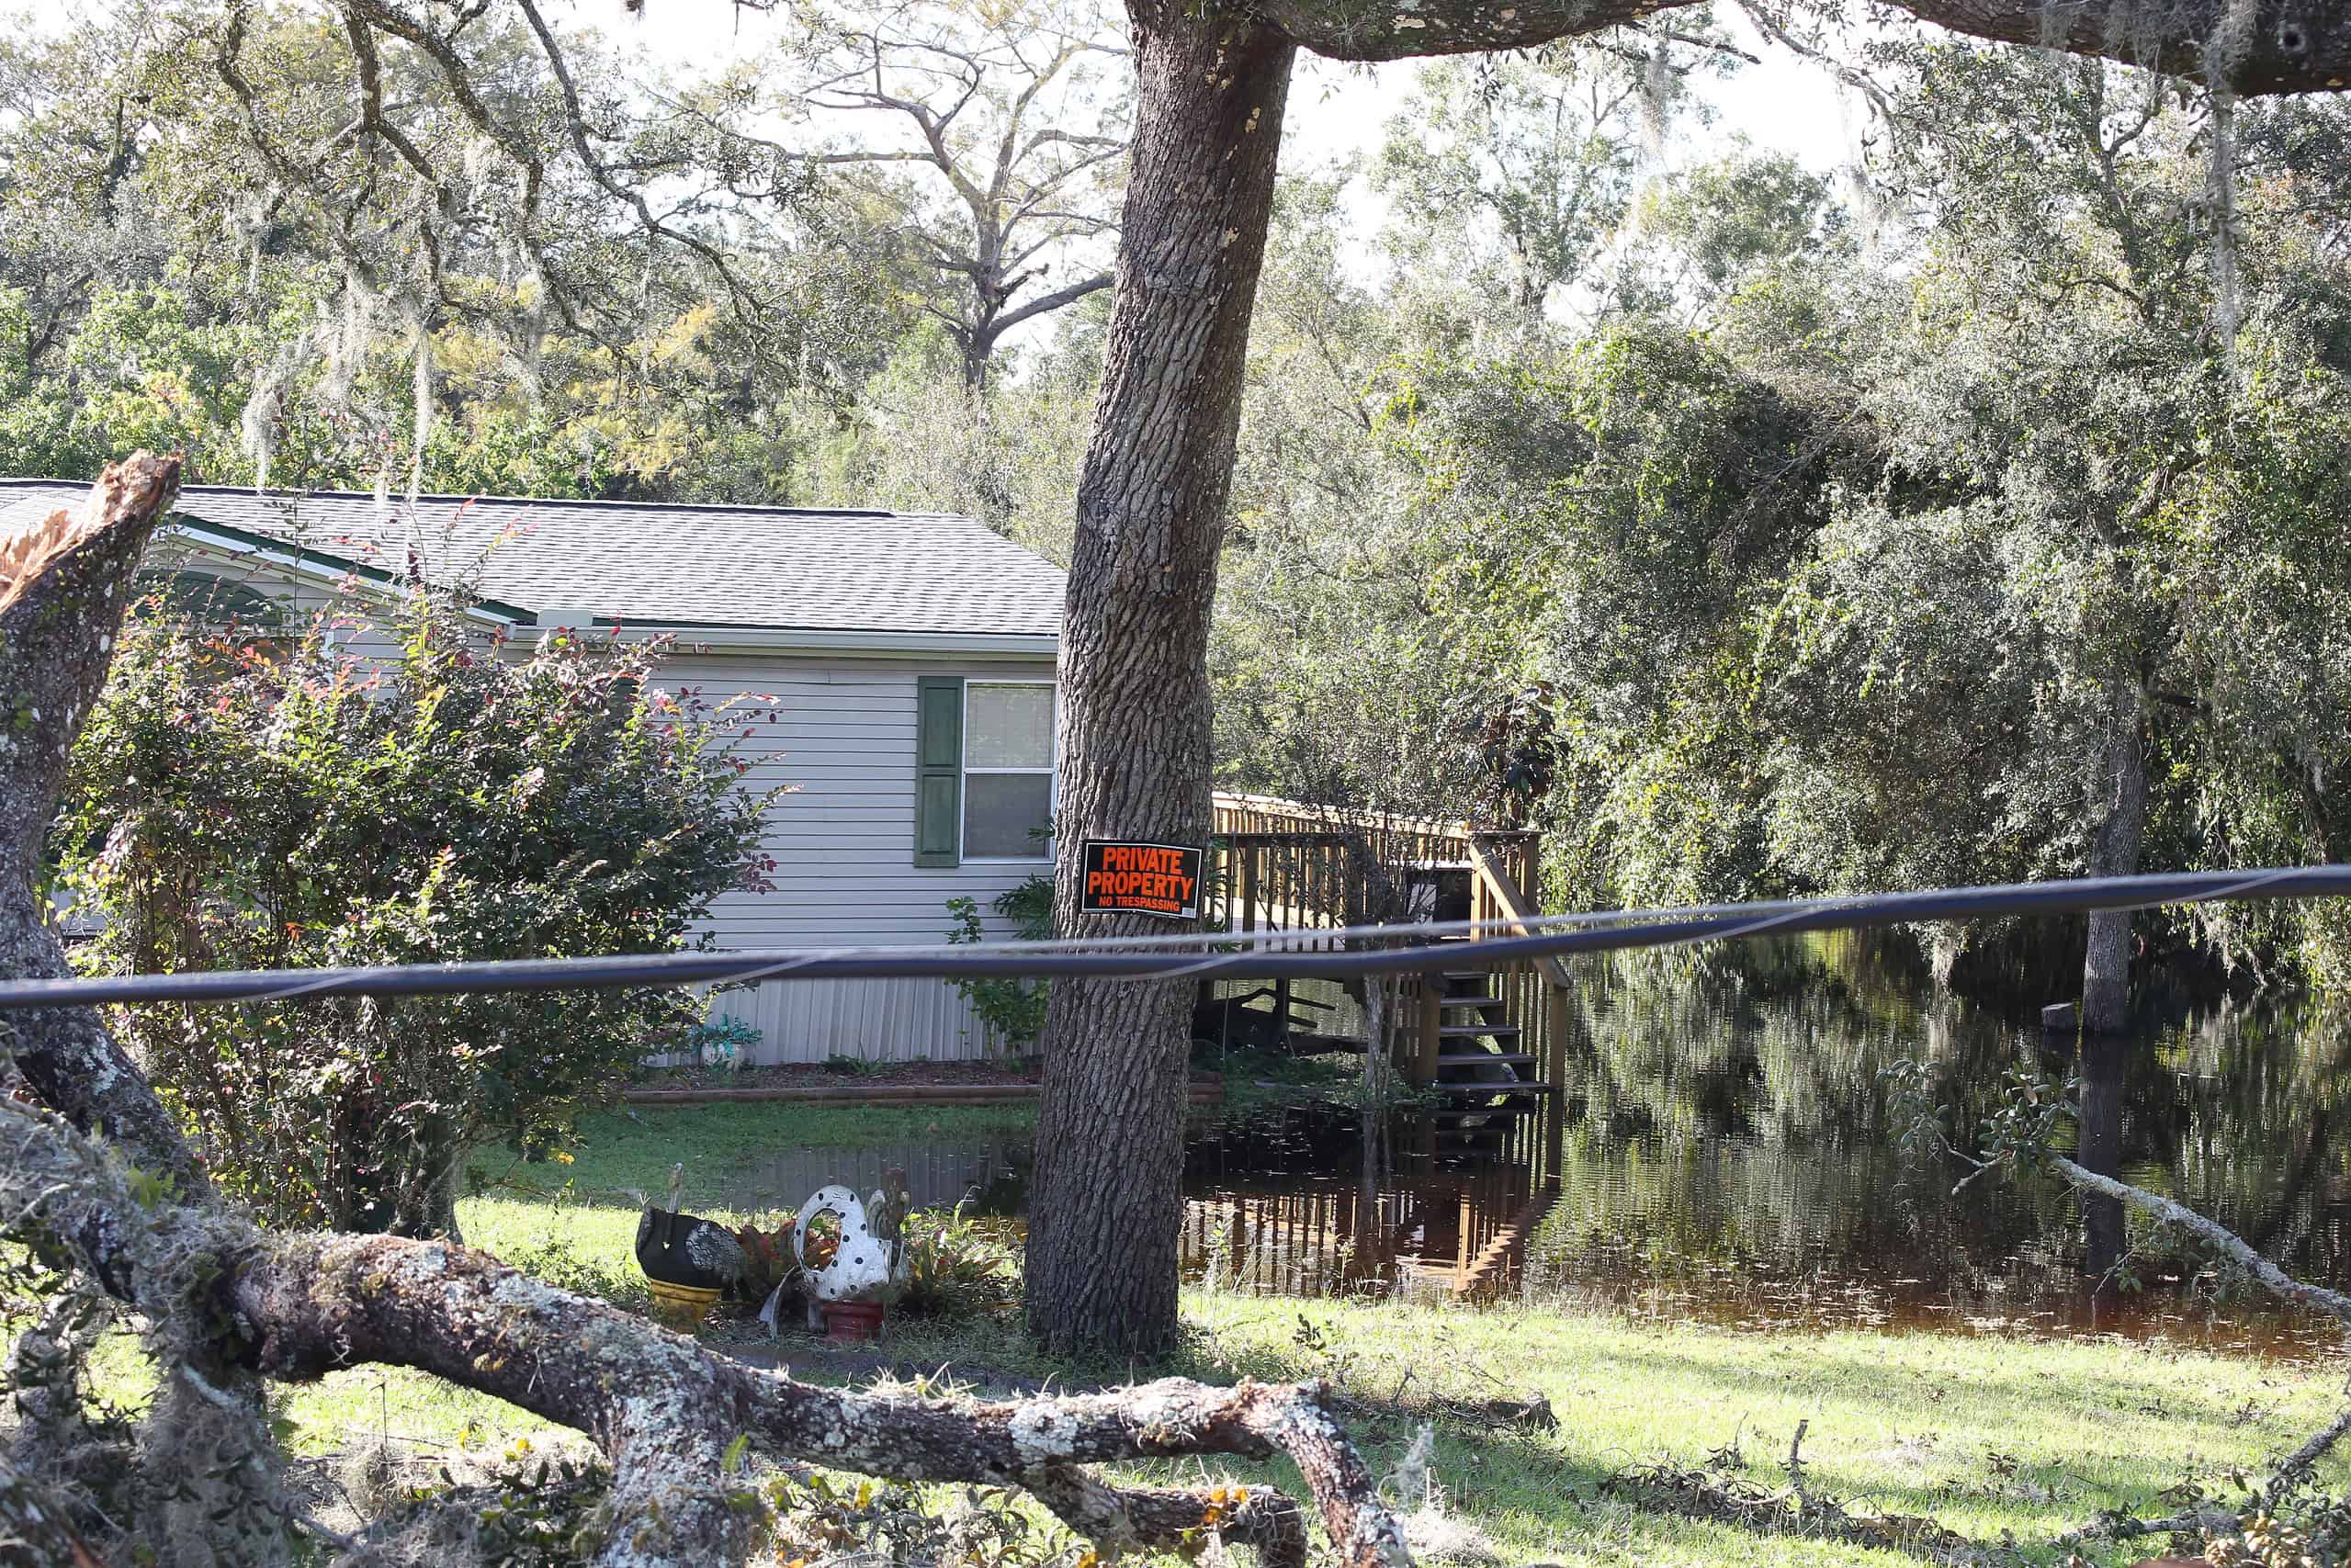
{"x":965,"y":770}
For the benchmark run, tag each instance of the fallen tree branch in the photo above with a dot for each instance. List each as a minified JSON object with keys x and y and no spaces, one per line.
{"x":2299,"y":1464}
{"x":1796,"y":1471}
{"x":2119,"y":1526}
{"x":231,"y":1304}
{"x":2296,"y":1466}
{"x":2213,"y":1233}
{"x":663,"y":1408}
{"x":1717,"y":1496}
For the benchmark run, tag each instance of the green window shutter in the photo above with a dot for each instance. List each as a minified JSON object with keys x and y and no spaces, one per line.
{"x":938,"y":769}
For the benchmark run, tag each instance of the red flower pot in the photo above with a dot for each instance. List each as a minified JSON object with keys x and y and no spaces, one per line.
{"x":851,"y":1323}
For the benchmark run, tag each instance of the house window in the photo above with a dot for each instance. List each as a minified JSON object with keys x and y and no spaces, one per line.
{"x":1007,"y":770}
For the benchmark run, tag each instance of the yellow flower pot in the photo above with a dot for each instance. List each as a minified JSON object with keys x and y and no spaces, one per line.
{"x":681,"y":1306}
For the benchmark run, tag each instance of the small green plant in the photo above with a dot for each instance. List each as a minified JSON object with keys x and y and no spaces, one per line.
{"x":853,"y":1066}
{"x":1012,"y":1010}
{"x":955,"y":1267}
{"x":722,"y":1042}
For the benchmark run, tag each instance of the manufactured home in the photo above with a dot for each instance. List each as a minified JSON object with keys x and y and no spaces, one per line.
{"x":911,"y":655}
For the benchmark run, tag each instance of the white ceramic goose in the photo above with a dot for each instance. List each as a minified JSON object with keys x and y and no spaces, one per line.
{"x":862,"y":1263}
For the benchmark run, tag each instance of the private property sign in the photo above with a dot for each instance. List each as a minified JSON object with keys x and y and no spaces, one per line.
{"x":1141,"y":879}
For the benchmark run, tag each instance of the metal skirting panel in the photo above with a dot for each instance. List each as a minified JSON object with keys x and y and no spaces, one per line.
{"x":887,"y":1021}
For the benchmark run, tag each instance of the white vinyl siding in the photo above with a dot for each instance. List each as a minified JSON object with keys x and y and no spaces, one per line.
{"x":844,"y":740}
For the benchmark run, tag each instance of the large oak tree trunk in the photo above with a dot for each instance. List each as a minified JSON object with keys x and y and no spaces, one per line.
{"x":1135,"y":720}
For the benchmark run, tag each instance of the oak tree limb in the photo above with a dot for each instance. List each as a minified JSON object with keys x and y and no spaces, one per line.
{"x":2290,"y":46}
{"x":65,"y":583}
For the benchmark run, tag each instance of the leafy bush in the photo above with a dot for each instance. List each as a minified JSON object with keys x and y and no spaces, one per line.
{"x":238,"y":804}
{"x":1012,"y":1009}
{"x":955,"y":1267}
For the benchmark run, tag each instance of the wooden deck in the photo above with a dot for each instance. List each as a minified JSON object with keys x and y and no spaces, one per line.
{"x":1490,"y":1041}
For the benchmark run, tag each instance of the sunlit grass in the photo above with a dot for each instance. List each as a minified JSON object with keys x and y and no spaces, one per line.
{"x":1987,"y":1436}
{"x":589,"y":1205}
{"x":1990,"y":1437}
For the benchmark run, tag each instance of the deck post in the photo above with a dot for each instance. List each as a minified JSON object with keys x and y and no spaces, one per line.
{"x":1554,"y":1071}
{"x":1430,"y":1039}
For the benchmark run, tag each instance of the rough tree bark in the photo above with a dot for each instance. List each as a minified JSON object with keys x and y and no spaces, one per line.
{"x":2120,"y":793}
{"x":64,"y":586}
{"x":1135,"y":697}
{"x":228,"y":1305}
{"x":663,"y":1409}
{"x":2287,"y":45}
{"x":1135,"y":722}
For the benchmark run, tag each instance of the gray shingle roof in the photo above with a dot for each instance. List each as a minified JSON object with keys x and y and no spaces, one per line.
{"x":714,"y":566}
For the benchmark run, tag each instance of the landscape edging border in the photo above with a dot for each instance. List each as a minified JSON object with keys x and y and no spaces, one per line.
{"x":1204,"y":1091}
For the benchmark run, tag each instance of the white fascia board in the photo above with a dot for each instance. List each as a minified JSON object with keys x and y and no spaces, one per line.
{"x":329,"y":571}
{"x":849,"y":644}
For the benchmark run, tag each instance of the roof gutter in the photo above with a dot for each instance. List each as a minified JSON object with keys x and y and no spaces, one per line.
{"x":852,"y":643}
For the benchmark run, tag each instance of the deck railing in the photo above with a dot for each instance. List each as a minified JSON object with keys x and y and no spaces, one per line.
{"x":1390,"y":839}
{"x":1286,"y":865}
{"x":1292,"y":880}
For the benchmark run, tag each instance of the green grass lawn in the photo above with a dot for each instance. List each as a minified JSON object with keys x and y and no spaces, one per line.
{"x":1989,"y":1437}
{"x":1985,"y":1436}
{"x":587,"y":1208}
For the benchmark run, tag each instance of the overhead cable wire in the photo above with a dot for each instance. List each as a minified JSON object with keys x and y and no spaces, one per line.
{"x":1382,"y":949}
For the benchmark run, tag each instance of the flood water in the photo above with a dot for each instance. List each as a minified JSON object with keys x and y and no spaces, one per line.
{"x":1727,"y":1148}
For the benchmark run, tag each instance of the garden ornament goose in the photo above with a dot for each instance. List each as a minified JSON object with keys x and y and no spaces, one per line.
{"x":678,"y":1248}
{"x":864,"y":1263}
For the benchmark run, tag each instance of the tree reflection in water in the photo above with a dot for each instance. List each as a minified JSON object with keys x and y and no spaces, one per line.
{"x":1728,"y":1151}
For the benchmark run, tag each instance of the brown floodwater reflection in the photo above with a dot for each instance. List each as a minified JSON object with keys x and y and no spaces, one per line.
{"x":1727,"y":1149}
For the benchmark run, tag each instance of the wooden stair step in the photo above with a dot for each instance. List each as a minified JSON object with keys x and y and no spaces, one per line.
{"x":1484,"y":1110}
{"x":1480,"y":1058}
{"x":1466,"y":974}
{"x":1469,"y":1001}
{"x":1477,"y":1030}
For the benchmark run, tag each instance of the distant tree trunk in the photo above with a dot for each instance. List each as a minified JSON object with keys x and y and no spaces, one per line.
{"x":2100,"y":1150}
{"x":2121,"y":800}
{"x":1136,"y":703}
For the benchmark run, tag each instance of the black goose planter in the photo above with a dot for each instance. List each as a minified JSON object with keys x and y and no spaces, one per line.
{"x":688,"y":1250}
